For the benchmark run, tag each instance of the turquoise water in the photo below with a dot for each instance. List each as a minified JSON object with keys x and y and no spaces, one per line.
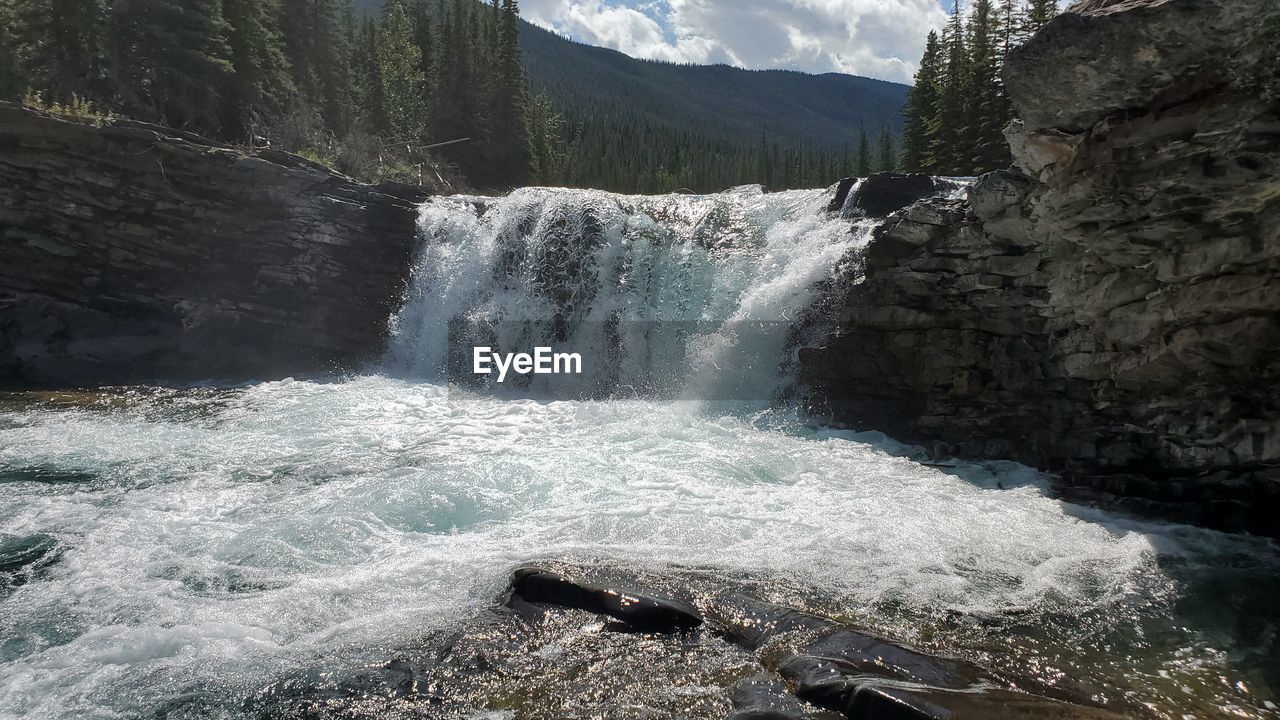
{"x":215,"y":540}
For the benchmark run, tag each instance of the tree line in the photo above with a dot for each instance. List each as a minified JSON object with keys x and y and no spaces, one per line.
{"x":957,"y":110}
{"x":314,"y":76}
{"x":610,"y":149}
{"x":369,"y":95}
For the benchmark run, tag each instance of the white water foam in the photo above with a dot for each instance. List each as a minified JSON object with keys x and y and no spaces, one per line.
{"x":214,"y":541}
{"x":295,"y":518}
{"x":690,"y":294}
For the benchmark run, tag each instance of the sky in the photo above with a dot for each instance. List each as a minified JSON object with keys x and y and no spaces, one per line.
{"x":874,"y":38}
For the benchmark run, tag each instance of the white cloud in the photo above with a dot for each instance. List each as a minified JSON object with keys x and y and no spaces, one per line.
{"x":875,"y":38}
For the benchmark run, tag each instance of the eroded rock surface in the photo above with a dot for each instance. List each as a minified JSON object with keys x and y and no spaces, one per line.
{"x":135,"y":253}
{"x":1110,"y":308}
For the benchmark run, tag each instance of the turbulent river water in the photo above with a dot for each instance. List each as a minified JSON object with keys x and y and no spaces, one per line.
{"x":170,"y":552}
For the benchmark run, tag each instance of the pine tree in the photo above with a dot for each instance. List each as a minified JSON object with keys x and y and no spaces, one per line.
{"x":315,"y":46}
{"x":334,"y":72}
{"x":510,"y":136}
{"x":400,"y":72}
{"x":1002,"y":109}
{"x":373,"y":100}
{"x":546,"y":158}
{"x":947,"y":130}
{"x":342,"y":88}
{"x":259,"y":84}
{"x":921,"y":107}
{"x":885,"y":152}
{"x":1039,"y":13}
{"x":11,"y":81}
{"x":862,"y":163}
{"x":420,"y":16}
{"x":61,"y":47}
{"x":1010,"y":24}
{"x":452,"y":116}
{"x":168,"y":59}
{"x":982,"y":121}
{"x":298,"y":37}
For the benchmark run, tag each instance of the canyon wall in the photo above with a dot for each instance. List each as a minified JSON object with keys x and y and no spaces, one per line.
{"x":1110,"y":308}
{"x":132,"y":252}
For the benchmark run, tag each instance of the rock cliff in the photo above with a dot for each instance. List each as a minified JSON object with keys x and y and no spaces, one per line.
{"x":136,"y":253}
{"x":1111,"y":307}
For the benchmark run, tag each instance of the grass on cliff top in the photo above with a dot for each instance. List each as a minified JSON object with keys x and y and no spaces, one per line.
{"x":78,"y":109}
{"x":360,"y":156}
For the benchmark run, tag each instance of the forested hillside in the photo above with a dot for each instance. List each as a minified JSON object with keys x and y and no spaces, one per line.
{"x":796,"y":108}
{"x":780,"y":128}
{"x":374,"y":89}
{"x":638,"y":125}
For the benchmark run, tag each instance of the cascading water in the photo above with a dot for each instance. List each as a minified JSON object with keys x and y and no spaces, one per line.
{"x":679,"y":296}
{"x":170,"y":553}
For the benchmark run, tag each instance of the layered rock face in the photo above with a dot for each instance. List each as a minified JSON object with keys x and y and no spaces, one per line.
{"x":1111,"y":307}
{"x":135,"y":253}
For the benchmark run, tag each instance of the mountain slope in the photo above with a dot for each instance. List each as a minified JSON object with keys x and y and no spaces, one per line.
{"x":789,"y":107}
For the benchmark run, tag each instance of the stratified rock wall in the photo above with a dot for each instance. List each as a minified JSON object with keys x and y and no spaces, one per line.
{"x":131,"y":252}
{"x":1110,"y":308}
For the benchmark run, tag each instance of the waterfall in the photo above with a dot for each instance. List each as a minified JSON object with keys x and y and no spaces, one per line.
{"x":693,"y":296}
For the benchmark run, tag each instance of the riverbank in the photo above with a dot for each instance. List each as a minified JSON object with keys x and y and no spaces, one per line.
{"x":136,"y":253}
{"x":1108,"y":308}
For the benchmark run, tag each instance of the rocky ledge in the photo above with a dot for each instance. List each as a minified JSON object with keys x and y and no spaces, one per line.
{"x":132,"y":252}
{"x":579,"y":641}
{"x":1110,"y":308}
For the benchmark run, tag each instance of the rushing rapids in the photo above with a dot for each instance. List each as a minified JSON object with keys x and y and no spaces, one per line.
{"x":682,"y":296}
{"x":170,"y":553}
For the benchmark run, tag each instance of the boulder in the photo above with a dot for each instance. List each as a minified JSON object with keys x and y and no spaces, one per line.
{"x":842,"y":194}
{"x":883,"y":193}
{"x":764,"y":697}
{"x":637,"y":611}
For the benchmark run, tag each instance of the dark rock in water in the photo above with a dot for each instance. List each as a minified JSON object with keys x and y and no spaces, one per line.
{"x":753,"y":623}
{"x":874,"y":703}
{"x":830,"y":662}
{"x":765,"y":697}
{"x":641,"y":612}
{"x":883,"y":193}
{"x":832,"y":649}
{"x":839,"y":668}
{"x":842,"y":194}
{"x":538,"y":657}
{"x":858,"y":653}
{"x":540,"y":586}
{"x":828,"y":672}
{"x":387,"y":690}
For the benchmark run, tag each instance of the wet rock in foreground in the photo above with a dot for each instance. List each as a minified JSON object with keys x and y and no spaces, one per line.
{"x":637,"y":611}
{"x":559,"y":646}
